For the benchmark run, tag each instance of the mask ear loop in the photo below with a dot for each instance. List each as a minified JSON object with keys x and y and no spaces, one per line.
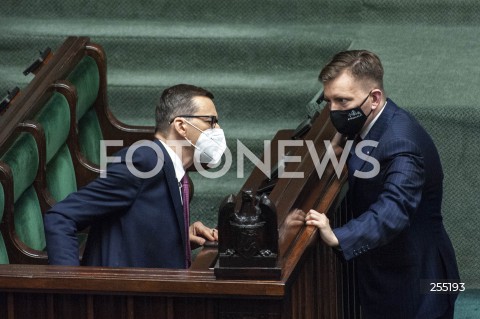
{"x":203,"y":132}
{"x":190,"y":142}
{"x":185,"y":137}
{"x":198,"y":129}
{"x":371,"y":110}
{"x":196,"y":147}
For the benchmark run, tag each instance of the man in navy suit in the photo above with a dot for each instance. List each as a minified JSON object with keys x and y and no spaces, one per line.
{"x":136,"y":212}
{"x":396,"y":234}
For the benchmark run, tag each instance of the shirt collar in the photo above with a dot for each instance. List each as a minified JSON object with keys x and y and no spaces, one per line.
{"x":369,"y":127}
{"x":177,"y":162}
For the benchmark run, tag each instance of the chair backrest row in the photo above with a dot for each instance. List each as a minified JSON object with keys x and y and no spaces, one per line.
{"x":54,"y":146}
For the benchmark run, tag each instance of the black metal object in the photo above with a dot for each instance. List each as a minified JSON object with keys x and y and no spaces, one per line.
{"x":7,"y":99}
{"x":32,"y":68}
{"x":248,"y":245}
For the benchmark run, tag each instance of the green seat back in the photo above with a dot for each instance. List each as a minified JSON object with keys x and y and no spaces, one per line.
{"x":61,"y":179}
{"x":86,"y":78}
{"x":55,"y":120}
{"x":29,"y":221}
{"x":89,"y":136}
{"x":22,"y":157}
{"x":3,"y":249}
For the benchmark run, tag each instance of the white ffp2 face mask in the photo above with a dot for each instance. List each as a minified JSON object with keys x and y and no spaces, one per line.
{"x":210,"y":146}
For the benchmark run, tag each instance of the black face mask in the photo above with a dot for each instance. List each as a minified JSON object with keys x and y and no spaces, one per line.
{"x":349,"y":122}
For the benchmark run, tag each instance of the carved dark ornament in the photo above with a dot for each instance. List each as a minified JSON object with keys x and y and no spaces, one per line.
{"x":248,"y":236}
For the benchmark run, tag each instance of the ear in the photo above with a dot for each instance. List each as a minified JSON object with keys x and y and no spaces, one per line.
{"x":377,"y":96}
{"x":180,"y":127}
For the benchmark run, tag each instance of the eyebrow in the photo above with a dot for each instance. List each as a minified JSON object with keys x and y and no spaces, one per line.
{"x":337,"y":98}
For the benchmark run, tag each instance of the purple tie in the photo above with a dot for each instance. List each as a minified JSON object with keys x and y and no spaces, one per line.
{"x":186,"y":216}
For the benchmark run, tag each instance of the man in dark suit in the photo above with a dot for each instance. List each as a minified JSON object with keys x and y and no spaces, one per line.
{"x":136,"y":212}
{"x":396,"y":234}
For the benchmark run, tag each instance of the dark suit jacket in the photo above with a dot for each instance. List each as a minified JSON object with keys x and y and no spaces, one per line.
{"x":135,"y":222}
{"x":397,"y":235}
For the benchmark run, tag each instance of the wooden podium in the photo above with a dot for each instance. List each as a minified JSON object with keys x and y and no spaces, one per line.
{"x":298,"y":278}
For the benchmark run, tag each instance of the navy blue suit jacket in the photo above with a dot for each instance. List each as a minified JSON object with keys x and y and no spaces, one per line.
{"x":397,"y":235}
{"x":135,"y":222}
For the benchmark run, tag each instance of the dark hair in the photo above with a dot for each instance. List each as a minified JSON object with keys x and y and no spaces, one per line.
{"x":361,"y":64}
{"x":177,"y":100}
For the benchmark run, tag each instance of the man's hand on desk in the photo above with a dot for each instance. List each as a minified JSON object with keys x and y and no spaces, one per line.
{"x":199,"y":234}
{"x":321,"y":221}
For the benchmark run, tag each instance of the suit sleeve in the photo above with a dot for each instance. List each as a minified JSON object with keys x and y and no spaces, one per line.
{"x":102,"y":197}
{"x":398,"y":201}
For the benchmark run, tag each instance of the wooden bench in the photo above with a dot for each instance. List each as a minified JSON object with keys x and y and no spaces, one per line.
{"x":313,"y":282}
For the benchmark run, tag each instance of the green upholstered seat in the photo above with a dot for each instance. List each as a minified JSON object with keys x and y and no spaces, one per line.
{"x":86,"y":78}
{"x":89,"y":136}
{"x":55,"y":120}
{"x":29,"y":221}
{"x":3,"y":250}
{"x":60,"y":175}
{"x":22,"y":157}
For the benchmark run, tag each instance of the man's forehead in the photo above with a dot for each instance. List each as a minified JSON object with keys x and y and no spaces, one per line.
{"x":337,"y":92}
{"x":342,"y":86}
{"x":205,"y":105}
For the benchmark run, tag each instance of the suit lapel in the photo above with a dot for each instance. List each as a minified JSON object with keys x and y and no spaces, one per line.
{"x":173,"y":187}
